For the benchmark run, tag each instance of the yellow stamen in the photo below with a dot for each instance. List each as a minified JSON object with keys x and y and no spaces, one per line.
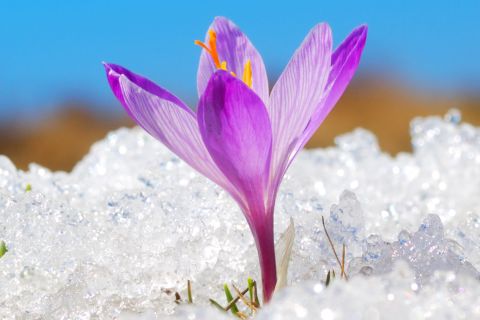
{"x":247,"y":73}
{"x":212,"y":50}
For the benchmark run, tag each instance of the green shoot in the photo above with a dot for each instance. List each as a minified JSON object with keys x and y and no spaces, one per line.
{"x":234,"y":301}
{"x":252,"y":303}
{"x":3,"y":248}
{"x":217,"y":305}
{"x":250,"y":289}
{"x":229,"y":296}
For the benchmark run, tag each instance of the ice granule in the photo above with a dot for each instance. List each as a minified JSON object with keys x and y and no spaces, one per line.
{"x":392,"y":296}
{"x":121,"y":233}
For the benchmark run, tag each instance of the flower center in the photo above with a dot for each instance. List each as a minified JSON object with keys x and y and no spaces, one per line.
{"x":211,"y":48}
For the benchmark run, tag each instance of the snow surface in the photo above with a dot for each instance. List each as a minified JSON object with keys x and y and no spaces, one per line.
{"x":126,"y":229}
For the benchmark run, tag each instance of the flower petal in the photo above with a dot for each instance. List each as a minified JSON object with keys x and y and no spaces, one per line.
{"x":235,"y":49}
{"x":166,"y":118}
{"x":345,"y":61}
{"x":296,"y":94}
{"x":115,"y":71}
{"x":235,"y":127}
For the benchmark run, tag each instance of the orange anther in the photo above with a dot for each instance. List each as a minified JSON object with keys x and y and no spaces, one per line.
{"x":211,"y":48}
{"x":212,"y":51}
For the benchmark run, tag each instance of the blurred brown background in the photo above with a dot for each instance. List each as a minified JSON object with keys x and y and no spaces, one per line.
{"x":61,"y":139}
{"x":421,"y":58}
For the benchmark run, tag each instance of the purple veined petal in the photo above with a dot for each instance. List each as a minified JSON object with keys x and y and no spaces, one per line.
{"x":113,"y":73}
{"x":235,"y":48}
{"x":166,"y":118}
{"x":236,"y":130}
{"x":345,"y":61}
{"x":235,"y":127}
{"x":295,"y":96}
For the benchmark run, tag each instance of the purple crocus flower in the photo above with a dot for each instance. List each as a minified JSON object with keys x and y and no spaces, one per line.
{"x":241,"y":136}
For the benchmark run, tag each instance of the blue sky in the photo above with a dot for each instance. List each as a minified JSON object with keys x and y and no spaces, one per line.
{"x":52,"y":50}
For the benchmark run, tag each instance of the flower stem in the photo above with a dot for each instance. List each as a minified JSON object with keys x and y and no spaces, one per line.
{"x":266,"y":255}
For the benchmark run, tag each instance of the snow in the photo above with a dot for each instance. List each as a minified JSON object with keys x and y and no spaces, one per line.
{"x":126,"y":229}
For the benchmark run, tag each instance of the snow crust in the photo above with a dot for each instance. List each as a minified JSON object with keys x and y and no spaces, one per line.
{"x":126,"y":229}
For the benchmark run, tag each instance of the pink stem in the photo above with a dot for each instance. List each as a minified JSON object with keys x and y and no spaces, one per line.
{"x":264,"y":240}
{"x":268,"y":268}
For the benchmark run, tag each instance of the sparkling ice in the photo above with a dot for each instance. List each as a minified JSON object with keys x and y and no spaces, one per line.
{"x":126,"y":229}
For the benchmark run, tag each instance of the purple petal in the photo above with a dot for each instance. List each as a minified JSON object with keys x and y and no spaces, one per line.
{"x":295,"y":96}
{"x":235,"y":127}
{"x":115,"y":71}
{"x":166,"y":118}
{"x":345,"y":61}
{"x":235,"y":48}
